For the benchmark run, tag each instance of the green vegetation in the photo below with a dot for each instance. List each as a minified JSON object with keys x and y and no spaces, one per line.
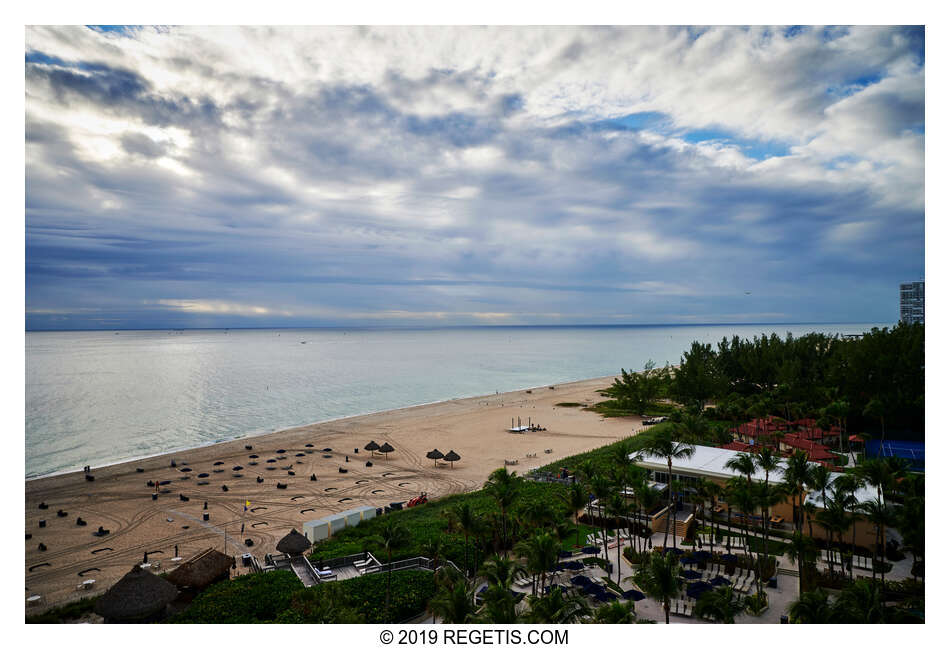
{"x":438,"y":519}
{"x":243,"y":600}
{"x":512,"y":527}
{"x":279,"y":596}
{"x":60,"y":614}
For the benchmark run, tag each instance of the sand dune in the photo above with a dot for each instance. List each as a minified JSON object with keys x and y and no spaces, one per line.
{"x":120,"y":500}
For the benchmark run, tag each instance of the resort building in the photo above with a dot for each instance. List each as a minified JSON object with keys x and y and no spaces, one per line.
{"x":912,"y":303}
{"x":709,"y":463}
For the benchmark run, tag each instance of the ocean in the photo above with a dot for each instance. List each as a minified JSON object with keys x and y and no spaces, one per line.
{"x":100,"y":397}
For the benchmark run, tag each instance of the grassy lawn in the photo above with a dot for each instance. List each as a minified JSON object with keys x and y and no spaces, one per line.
{"x":570,"y":539}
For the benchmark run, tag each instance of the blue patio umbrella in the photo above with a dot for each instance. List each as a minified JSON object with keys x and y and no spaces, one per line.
{"x":720,"y":581}
{"x":730,"y":557}
{"x":573,"y":565}
{"x":696,"y":589}
{"x":633,"y":594}
{"x":564,"y":554}
{"x":691,"y":574}
{"x":676,"y":551}
{"x":687,"y":561}
{"x":702,"y":555}
{"x":591,"y":549}
{"x":580,"y":580}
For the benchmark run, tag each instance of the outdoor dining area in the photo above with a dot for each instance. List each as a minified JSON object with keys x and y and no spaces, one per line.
{"x":575,"y":571}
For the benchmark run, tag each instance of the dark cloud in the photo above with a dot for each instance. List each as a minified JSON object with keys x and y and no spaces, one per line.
{"x":331,"y":198}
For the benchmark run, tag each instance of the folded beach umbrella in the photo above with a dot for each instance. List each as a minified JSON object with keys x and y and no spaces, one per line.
{"x":371,"y":447}
{"x":720,"y":581}
{"x":634,"y":595}
{"x":386,"y":448}
{"x":435,"y":455}
{"x":691,"y":574}
{"x":451,"y":457}
{"x":591,"y":549}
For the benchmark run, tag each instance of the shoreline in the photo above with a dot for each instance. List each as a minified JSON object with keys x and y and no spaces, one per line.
{"x":290,"y":476}
{"x":256,"y":434}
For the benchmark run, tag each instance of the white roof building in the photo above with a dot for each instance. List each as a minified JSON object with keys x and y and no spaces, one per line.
{"x":710,"y":462}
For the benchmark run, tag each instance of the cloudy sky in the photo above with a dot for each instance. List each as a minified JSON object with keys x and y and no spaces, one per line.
{"x":196,"y":177}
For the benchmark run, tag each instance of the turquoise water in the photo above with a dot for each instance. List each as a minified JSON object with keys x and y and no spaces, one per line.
{"x":97,"y":397}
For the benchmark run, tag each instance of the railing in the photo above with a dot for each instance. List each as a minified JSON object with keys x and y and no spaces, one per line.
{"x":348,"y":560}
{"x":416,"y":563}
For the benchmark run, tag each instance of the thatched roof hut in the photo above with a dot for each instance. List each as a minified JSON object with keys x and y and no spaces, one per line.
{"x":452,"y":456}
{"x":435,"y":454}
{"x":386,"y":448}
{"x":202,"y":570}
{"x":372,"y":447}
{"x":293,"y":543}
{"x":139,"y":596}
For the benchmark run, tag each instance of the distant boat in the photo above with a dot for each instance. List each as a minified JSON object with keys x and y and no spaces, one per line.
{"x":303,"y":342}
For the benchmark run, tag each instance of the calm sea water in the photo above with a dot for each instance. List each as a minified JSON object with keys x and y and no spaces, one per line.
{"x":103,"y":397}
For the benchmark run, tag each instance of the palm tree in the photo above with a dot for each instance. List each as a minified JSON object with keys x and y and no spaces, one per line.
{"x":557,"y":608}
{"x":801,"y":550}
{"x":876,"y":410}
{"x":392,"y":536}
{"x":500,"y":573}
{"x":540,"y":552}
{"x":463,"y":517}
{"x":664,"y":446}
{"x":819,"y":480}
{"x":455,"y":603}
{"x":721,"y":604}
{"x":503,"y":485}
{"x":576,"y":498}
{"x":616,"y":612}
{"x":880,"y":516}
{"x":617,"y":509}
{"x":434,"y":548}
{"x":767,"y":460}
{"x":812,"y":608}
{"x":741,"y":494}
{"x":602,"y":488}
{"x":659,"y":578}
{"x":795,"y":480}
{"x":861,"y":603}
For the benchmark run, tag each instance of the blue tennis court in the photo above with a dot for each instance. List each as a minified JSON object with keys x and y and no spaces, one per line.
{"x":911,"y":451}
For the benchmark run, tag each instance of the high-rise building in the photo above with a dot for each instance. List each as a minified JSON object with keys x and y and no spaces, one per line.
{"x":912,"y":303}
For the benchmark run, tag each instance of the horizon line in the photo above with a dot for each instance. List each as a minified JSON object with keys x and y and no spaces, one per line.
{"x":468,"y":326}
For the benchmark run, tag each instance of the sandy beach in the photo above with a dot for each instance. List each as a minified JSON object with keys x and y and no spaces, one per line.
{"x":120,"y":500}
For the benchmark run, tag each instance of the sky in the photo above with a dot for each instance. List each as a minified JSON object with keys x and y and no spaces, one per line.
{"x":257,"y":177}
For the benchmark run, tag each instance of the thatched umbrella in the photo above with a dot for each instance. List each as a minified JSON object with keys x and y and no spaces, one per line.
{"x":452,"y":456}
{"x":139,"y":595}
{"x":386,"y":448}
{"x":372,"y":447}
{"x":435,"y":455}
{"x":201,"y":570}
{"x":293,"y":543}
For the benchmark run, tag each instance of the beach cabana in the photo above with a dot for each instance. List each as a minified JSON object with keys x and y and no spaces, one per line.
{"x":372,"y":447}
{"x":351,"y":517}
{"x":451,"y":457}
{"x":317,"y":530}
{"x":435,"y":455}
{"x":337,"y":522}
{"x":293,"y":543}
{"x":366,"y":512}
{"x":202,"y":570}
{"x":139,"y":596}
{"x":386,"y":448}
